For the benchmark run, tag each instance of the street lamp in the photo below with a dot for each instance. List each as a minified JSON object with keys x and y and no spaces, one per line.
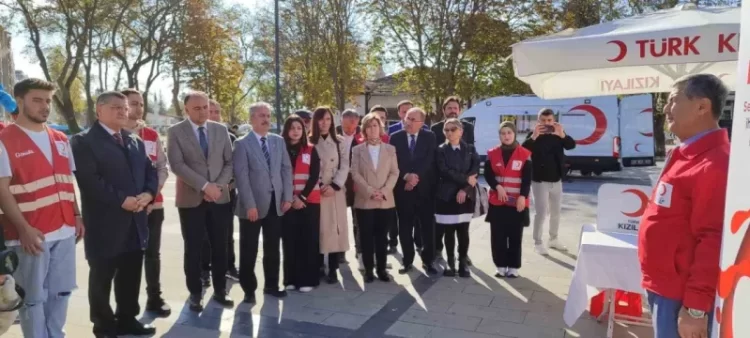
{"x":279,"y":122}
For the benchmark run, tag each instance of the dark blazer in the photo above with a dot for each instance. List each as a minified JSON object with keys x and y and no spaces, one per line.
{"x":454,"y":168}
{"x":421,"y":163}
{"x":349,"y":181}
{"x":468,"y":135}
{"x":106,"y":174}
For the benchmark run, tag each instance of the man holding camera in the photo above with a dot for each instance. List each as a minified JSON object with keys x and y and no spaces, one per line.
{"x":547,"y":143}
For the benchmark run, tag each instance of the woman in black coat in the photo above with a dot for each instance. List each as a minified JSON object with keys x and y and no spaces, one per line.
{"x":458,"y":166}
{"x":508,"y":173}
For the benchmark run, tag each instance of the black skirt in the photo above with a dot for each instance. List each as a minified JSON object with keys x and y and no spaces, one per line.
{"x":506,"y":214}
{"x":450,"y":212}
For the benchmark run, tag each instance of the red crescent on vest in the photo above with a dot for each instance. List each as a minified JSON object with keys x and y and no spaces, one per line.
{"x":650,"y":111}
{"x":636,"y":147}
{"x":662,"y":190}
{"x":644,"y":202}
{"x":600,"y":121}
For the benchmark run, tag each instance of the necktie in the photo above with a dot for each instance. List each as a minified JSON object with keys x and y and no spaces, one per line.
{"x":412,"y":144}
{"x":265,"y":151}
{"x":203,"y":141}
{"x":118,"y":139}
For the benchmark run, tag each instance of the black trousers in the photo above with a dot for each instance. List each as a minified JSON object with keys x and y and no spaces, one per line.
{"x":506,"y":244}
{"x":440,"y":232}
{"x":210,"y":220}
{"x":152,"y":262}
{"x":453,"y":231}
{"x":355,"y":229}
{"x":333,"y":261}
{"x":373,"y":231}
{"x":393,"y":229}
{"x":231,"y":258}
{"x":249,"y":232}
{"x":125,"y":270}
{"x":416,"y":222}
{"x":300,"y":240}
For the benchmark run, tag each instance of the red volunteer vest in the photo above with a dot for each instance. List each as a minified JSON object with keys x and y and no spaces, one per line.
{"x":302,"y":172}
{"x":509,"y":174}
{"x":44,"y":193}
{"x":150,"y":138}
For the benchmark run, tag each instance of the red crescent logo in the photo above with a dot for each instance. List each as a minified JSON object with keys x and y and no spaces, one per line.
{"x":729,"y":278}
{"x":662,"y":190}
{"x":600,"y":121}
{"x":649,"y":111}
{"x":623,"y":50}
{"x":636,"y":147}
{"x":644,"y":202}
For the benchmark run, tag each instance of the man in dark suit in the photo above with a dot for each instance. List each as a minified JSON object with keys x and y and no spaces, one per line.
{"x":200,"y":154}
{"x":117,"y":182}
{"x":403,"y":107}
{"x":415,"y":149}
{"x":451,"y":109}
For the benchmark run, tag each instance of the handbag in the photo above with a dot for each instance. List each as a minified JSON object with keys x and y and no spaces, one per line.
{"x":482,"y":201}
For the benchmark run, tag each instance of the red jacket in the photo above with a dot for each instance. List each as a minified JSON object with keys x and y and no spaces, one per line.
{"x":679,"y":240}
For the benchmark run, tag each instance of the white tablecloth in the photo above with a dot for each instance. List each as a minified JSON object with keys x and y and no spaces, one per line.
{"x":605,"y":261}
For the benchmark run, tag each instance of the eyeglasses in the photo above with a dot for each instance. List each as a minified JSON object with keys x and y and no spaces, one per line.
{"x":449,"y":130}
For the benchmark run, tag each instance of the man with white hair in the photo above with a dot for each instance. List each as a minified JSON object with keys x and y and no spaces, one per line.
{"x":263,"y":175}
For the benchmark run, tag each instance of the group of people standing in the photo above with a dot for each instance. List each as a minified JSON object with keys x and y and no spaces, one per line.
{"x":404,"y":182}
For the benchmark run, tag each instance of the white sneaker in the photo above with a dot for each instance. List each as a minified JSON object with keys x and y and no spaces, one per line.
{"x":512,"y":273}
{"x":501,"y":272}
{"x":361,"y":263}
{"x":540,"y":249}
{"x":555,"y":244}
{"x":290,"y":287}
{"x":305,"y":289}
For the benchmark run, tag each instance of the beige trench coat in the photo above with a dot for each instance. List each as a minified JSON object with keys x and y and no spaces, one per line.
{"x":334,"y":227}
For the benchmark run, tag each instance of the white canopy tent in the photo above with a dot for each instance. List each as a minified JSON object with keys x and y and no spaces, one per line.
{"x":641,"y":54}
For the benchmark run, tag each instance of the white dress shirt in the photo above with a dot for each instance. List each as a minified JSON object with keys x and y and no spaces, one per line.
{"x":195,"y":130}
{"x":347,"y":140}
{"x":374,"y":154}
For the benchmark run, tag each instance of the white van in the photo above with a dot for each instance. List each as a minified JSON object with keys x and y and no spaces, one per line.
{"x":610,"y":132}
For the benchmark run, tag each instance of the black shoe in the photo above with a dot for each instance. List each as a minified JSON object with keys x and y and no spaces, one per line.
{"x":249,"y":299}
{"x":134,"y":328}
{"x":157,"y":306}
{"x":463,"y":269}
{"x":196,"y":303}
{"x":383,"y":276}
{"x":406,"y":269}
{"x":393,"y":250}
{"x":206,"y":278}
{"x":429,"y":269}
{"x":369,"y":277}
{"x":223,"y":299}
{"x":233,"y":274}
{"x":275,"y":292}
{"x":342,"y":259}
{"x":332,"y":279}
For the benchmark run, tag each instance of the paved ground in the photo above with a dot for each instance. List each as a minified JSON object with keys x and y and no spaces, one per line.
{"x":412,"y":306}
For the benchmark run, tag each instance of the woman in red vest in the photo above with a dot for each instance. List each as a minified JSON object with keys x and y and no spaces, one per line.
{"x":508,"y":172}
{"x":300,"y":229}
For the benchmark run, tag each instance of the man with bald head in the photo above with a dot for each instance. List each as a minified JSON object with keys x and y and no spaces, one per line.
{"x":200,"y":155}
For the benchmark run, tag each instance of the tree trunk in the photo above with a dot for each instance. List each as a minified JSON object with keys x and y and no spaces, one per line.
{"x":658,"y":100}
{"x":176,"y":90}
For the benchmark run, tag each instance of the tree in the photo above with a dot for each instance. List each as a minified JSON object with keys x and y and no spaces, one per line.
{"x":72,"y":23}
{"x":140,"y":37}
{"x":56,"y":60}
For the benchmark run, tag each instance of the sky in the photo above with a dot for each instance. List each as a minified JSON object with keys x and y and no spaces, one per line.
{"x":22,"y":61}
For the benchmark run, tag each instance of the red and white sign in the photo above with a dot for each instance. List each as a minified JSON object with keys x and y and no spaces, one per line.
{"x":620,"y":207}
{"x":733,"y":291}
{"x":641,"y":54}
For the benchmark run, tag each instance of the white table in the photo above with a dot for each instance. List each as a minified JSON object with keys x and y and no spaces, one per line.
{"x":605,"y":261}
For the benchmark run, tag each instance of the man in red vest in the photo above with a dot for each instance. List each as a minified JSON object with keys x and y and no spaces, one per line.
{"x":679,"y":237}
{"x":155,"y":151}
{"x":40,"y":216}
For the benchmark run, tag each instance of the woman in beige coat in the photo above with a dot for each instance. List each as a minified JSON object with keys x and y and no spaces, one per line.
{"x":375,"y":173}
{"x":334,"y":169}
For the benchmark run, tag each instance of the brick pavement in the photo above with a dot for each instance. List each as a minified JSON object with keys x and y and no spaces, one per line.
{"x":413,"y":305}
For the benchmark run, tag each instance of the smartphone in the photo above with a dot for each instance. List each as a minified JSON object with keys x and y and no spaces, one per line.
{"x":548,"y":129}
